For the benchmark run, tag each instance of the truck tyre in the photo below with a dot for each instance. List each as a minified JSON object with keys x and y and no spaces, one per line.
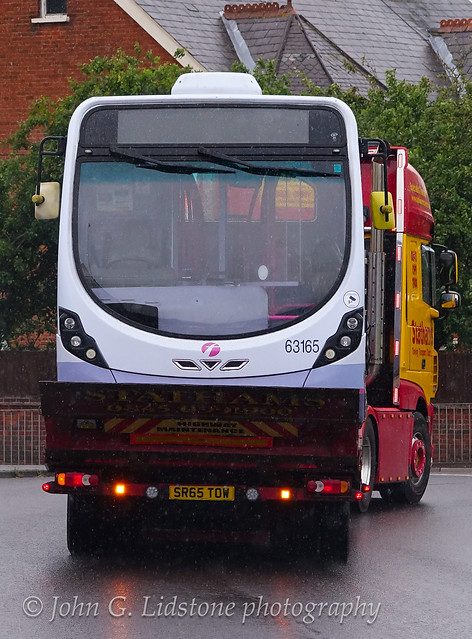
{"x":369,"y":465}
{"x":83,"y":525}
{"x":412,"y":490}
{"x":335,"y":532}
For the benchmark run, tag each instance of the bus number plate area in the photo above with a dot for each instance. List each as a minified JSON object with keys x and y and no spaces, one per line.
{"x":202,"y":493}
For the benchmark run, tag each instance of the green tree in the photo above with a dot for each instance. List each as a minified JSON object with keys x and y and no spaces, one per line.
{"x":28,"y":248}
{"x":264,"y":72}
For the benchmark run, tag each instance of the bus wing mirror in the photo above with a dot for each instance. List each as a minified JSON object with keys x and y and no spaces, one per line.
{"x":383,"y":216}
{"x":450,"y":300}
{"x":46,"y":202}
{"x":447,"y":268}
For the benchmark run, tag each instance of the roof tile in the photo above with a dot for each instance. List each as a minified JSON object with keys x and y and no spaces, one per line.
{"x":377,"y":34}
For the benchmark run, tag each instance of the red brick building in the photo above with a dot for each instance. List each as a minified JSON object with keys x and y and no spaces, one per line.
{"x":44,"y":42}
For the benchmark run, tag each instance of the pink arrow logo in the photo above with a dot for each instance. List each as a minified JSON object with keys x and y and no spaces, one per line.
{"x":210,"y":349}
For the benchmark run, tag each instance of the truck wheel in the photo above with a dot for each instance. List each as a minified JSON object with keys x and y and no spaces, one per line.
{"x":335,"y":532}
{"x":83,"y":525}
{"x":412,"y":490}
{"x":369,"y":465}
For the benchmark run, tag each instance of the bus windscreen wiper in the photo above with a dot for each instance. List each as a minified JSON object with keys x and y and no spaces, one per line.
{"x":236,"y":163}
{"x":145,"y":162}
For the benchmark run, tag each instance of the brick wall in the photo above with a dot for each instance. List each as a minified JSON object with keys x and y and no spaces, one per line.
{"x":21,"y":371}
{"x":37,"y":59}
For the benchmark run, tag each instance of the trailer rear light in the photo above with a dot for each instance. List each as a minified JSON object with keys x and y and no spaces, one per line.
{"x":46,"y":487}
{"x":120,"y":489}
{"x":358,"y":496}
{"x":366,"y":488}
{"x":152,"y":492}
{"x":285,"y":494}
{"x":76,"y":480}
{"x":328,"y":486}
{"x":252,"y":494}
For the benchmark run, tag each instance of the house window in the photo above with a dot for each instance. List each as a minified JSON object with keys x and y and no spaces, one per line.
{"x":52,"y":11}
{"x":55,"y":6}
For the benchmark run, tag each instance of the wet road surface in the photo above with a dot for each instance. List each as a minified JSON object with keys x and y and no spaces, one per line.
{"x":409,"y":575}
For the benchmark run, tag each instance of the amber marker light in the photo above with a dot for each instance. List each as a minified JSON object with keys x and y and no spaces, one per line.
{"x":120,"y":489}
{"x":285,"y":494}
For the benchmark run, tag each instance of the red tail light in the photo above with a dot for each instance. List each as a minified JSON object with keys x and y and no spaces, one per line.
{"x":327,"y":486}
{"x":76,"y":480}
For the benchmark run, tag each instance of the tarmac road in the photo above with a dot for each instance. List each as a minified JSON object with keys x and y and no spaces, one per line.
{"x":409,"y":576}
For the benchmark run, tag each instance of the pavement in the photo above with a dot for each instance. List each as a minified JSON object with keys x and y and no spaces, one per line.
{"x":23,"y":471}
{"x":41,"y":471}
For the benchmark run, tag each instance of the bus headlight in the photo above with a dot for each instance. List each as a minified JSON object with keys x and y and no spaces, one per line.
{"x":342,"y":344}
{"x":76,"y":341}
{"x":352,"y":323}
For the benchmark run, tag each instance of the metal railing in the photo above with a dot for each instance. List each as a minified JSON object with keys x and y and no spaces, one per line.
{"x":452,"y":434}
{"x":21,"y":435}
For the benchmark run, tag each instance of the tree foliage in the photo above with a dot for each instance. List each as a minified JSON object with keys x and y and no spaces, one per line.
{"x":432,"y":122}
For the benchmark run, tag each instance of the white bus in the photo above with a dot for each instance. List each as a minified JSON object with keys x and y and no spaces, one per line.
{"x":211,"y":239}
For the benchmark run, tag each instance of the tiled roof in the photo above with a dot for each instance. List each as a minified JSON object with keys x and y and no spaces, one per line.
{"x":377,"y":34}
{"x":298,"y":53}
{"x":460,"y":46}
{"x":344,"y":71}
{"x":457,"y":35}
{"x":263,"y":37}
{"x":197,"y":26}
{"x":297,"y":46}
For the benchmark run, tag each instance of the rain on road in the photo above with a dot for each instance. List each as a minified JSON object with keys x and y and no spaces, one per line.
{"x":409,"y":575}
